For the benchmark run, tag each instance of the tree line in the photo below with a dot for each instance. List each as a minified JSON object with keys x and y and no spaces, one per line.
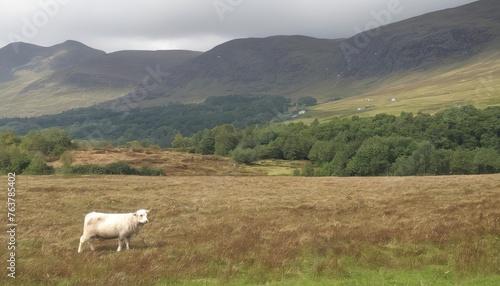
{"x":155,"y":125}
{"x":458,"y":140}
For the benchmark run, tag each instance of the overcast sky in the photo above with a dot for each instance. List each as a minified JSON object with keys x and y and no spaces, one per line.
{"x":112,"y":25}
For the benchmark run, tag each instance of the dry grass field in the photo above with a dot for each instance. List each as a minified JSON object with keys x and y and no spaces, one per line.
{"x":176,"y":163}
{"x":234,"y":230}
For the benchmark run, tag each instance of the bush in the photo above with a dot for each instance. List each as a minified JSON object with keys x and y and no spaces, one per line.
{"x":38,"y":166}
{"x":120,"y":168}
{"x":245,"y":156}
{"x":117,"y":168}
{"x":308,"y":170}
{"x":88,"y":169}
{"x":150,"y":171}
{"x":307,"y":101}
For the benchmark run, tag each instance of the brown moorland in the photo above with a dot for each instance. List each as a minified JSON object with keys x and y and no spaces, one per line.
{"x":176,"y":163}
{"x":207,"y":230}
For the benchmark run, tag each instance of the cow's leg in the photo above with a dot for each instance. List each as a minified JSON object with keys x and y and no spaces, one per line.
{"x":126,"y":242}
{"x":119,"y":244}
{"x":91,"y":243}
{"x":83,"y":239}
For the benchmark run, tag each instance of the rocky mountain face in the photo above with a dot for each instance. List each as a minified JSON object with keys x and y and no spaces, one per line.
{"x":423,"y":42}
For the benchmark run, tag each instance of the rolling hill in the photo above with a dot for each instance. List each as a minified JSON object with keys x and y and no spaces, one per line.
{"x":38,"y":80}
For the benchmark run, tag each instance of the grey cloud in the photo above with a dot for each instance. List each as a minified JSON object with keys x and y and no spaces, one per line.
{"x":193,"y":24}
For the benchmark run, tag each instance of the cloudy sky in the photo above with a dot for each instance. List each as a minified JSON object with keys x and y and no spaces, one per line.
{"x":112,"y":25}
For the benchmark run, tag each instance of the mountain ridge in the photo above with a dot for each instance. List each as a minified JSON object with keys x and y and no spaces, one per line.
{"x":293,"y":66}
{"x":36,"y":80}
{"x":296,"y":66}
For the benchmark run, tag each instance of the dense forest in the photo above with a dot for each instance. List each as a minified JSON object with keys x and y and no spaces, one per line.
{"x":155,"y":125}
{"x":460,"y":140}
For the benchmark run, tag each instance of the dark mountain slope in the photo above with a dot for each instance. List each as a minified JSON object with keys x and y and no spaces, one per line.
{"x":115,"y":70}
{"x":423,"y":42}
{"x":298,"y":66}
{"x":38,"y":80}
{"x":17,"y":57}
{"x":279,"y":65}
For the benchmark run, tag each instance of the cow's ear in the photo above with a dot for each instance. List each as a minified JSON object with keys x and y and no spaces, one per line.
{"x":147,"y":211}
{"x":135,"y":214}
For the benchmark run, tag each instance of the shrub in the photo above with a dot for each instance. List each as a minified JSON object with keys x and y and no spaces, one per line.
{"x":120,"y":168}
{"x":88,"y":169}
{"x":38,"y":166}
{"x":116,"y":168}
{"x":245,"y":156}
{"x":150,"y":171}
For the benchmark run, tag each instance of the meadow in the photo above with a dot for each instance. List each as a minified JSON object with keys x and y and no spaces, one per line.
{"x":251,"y":230}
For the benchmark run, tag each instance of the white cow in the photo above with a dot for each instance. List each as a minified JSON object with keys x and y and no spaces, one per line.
{"x":111,"y":226}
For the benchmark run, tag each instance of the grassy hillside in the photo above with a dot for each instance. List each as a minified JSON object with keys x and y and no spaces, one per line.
{"x":48,"y":80}
{"x":475,"y":81}
{"x":262,"y":230}
{"x":52,"y":99}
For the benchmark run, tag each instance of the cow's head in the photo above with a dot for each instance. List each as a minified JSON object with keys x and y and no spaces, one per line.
{"x":142,"y":216}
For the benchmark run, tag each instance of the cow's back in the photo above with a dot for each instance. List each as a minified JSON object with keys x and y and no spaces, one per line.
{"x":105,"y":225}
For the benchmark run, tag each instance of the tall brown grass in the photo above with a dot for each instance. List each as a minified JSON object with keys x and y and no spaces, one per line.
{"x":257,"y":229}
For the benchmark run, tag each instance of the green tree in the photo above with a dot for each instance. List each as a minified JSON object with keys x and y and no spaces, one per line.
{"x":344,"y":151}
{"x":19,"y":161}
{"x":194,"y":142}
{"x":371,"y":159}
{"x":58,"y":141}
{"x":178,"y":141}
{"x":207,"y":143}
{"x":273,"y":150}
{"x":423,"y":159}
{"x":322,"y":152}
{"x":52,"y":142}
{"x":226,"y":139}
{"x":297,"y":146}
{"x":9,"y":139}
{"x":404,"y":166}
{"x":486,"y":161}
{"x":38,"y":166}
{"x":462,"y":162}
{"x":35,"y":141}
{"x":442,"y":161}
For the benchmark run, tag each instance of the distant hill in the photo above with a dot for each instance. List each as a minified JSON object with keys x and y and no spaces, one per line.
{"x":296,"y":66}
{"x":17,"y":59}
{"x":38,"y":80}
{"x":123,"y":69}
